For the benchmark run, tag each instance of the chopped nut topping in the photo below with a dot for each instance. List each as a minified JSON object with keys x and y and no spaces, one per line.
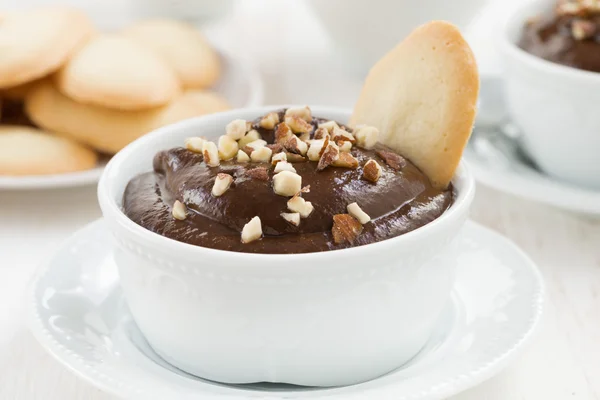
{"x":269,"y":121}
{"x":298,"y":125}
{"x":248,"y":150}
{"x":329,"y":125}
{"x":305,"y":137}
{"x":252,"y":231}
{"x":357,"y":212}
{"x":262,"y":154}
{"x":228,"y":147}
{"x":321,"y":132}
{"x":258,"y":173}
{"x":236,"y":129}
{"x":331,"y":153}
{"x":295,"y":145}
{"x":242,"y":157}
{"x":371,"y":171}
{"x":301,"y":206}
{"x":222,"y":184}
{"x":179,"y":210}
{"x":392,"y":159}
{"x":195,"y":144}
{"x":300,"y":112}
{"x":292,"y":218}
{"x":295,"y":158}
{"x":366,"y":136}
{"x":339,"y":134}
{"x":345,"y":228}
{"x":345,"y":146}
{"x":211,"y":154}
{"x":287,"y":183}
{"x":278,"y":157}
{"x":582,"y":29}
{"x":316,"y":149}
{"x":257,"y":144}
{"x":249,"y":138}
{"x":284,"y":166}
{"x":346,"y":160}
{"x":282,"y":133}
{"x":275,"y":148}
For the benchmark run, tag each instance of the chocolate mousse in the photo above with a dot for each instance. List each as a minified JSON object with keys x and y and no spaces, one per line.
{"x":569,"y":35}
{"x":284,"y":183}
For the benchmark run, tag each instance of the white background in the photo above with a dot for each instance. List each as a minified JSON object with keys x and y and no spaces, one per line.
{"x":562,"y":363}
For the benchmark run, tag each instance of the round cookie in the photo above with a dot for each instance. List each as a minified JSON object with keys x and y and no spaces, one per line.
{"x":116,"y":72}
{"x":38,"y":42}
{"x":105,"y":129}
{"x":19,"y":92}
{"x":207,"y":102}
{"x":183,"y":47}
{"x":30,"y":151}
{"x":422,"y":96}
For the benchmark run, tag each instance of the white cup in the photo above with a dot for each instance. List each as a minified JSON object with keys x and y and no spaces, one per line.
{"x":318,"y":319}
{"x":555,"y":106}
{"x":363,"y":31}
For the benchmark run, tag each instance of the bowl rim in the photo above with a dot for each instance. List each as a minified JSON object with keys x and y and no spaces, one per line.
{"x":507,"y":44}
{"x":112,"y":210}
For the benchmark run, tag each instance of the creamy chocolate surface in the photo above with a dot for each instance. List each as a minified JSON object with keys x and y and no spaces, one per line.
{"x":570,"y":38}
{"x":400,"y":201}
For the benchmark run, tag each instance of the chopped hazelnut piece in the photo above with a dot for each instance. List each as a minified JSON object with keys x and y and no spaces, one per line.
{"x":252,"y":230}
{"x":222,"y":184}
{"x":317,"y":147}
{"x":236,"y":129}
{"x":339,"y":134}
{"x":278,"y":157}
{"x":275,"y":148}
{"x":346,"y":160}
{"x":357,"y":212}
{"x":295,"y":145}
{"x":331,"y":153}
{"x":305,"y":137}
{"x":298,"y":125}
{"x":257,"y":143}
{"x":393,"y":160}
{"x":258,"y":173}
{"x":301,"y":206}
{"x":249,"y":138}
{"x":345,"y":146}
{"x":262,"y":154}
{"x":282,"y":133}
{"x":284,"y":166}
{"x":228,"y":147}
{"x":242,"y":157}
{"x":320,"y":133}
{"x":269,"y":121}
{"x":292,"y":218}
{"x":295,"y":158}
{"x":329,"y":126}
{"x":179,"y":210}
{"x":195,"y":144}
{"x":248,"y":150}
{"x":371,"y":171}
{"x":583,"y":29}
{"x":287,"y":183}
{"x":366,"y":136}
{"x":300,"y":112}
{"x":211,"y":154}
{"x":345,"y":228}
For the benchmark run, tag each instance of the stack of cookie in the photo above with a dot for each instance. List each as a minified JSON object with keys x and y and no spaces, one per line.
{"x":69,"y":91}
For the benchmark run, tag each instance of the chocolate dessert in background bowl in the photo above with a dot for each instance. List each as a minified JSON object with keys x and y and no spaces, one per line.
{"x":551,"y":55}
{"x":305,"y":245}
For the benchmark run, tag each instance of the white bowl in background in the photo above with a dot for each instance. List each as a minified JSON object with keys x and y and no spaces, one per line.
{"x":318,"y":319}
{"x":363,"y":31}
{"x":554,"y":105}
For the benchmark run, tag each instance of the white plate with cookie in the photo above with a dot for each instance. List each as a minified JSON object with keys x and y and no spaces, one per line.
{"x":74,"y":115}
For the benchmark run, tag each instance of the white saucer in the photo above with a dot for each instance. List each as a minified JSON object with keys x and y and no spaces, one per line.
{"x":77,"y":312}
{"x":496,"y":165}
{"x":240,"y":84}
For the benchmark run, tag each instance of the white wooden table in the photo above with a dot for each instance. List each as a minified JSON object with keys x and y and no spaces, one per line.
{"x":562,"y":363}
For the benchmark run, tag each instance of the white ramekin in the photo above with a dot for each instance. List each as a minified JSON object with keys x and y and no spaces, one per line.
{"x":554,"y":105}
{"x":319,"y":319}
